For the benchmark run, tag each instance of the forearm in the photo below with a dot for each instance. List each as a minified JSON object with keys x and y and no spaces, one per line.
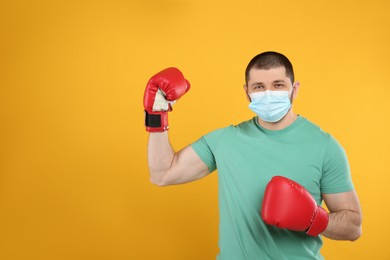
{"x":344,"y":225}
{"x":160,"y":156}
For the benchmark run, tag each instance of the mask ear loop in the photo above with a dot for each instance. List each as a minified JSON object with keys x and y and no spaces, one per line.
{"x":291,"y":98}
{"x":250,"y":100}
{"x":292,"y":94}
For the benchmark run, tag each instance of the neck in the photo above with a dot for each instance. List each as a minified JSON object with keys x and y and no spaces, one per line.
{"x":287,"y":120}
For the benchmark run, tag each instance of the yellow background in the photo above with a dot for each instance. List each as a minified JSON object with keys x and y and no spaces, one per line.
{"x":74,"y":182}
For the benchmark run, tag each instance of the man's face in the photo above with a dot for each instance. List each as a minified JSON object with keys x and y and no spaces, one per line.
{"x":271,"y":79}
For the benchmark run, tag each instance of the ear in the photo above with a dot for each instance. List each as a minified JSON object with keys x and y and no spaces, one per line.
{"x":246,"y":93}
{"x":295,"y":89}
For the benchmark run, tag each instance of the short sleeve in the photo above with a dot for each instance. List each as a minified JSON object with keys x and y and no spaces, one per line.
{"x":206,"y":147}
{"x":336,"y":175}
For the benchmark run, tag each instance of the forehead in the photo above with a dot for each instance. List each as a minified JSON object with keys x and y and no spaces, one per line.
{"x":262,"y":75}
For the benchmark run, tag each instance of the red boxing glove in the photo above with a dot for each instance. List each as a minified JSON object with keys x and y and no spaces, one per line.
{"x":161,"y":92}
{"x":287,"y":204}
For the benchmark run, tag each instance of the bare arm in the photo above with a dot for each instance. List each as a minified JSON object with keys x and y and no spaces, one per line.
{"x":167,"y":167}
{"x":345,"y":218}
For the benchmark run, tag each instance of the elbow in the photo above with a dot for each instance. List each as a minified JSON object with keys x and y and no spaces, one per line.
{"x":159,"y":184}
{"x":357,"y":232}
{"x":356,"y":235}
{"x":158,"y":180}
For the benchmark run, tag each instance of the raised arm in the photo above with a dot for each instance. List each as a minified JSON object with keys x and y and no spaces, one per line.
{"x":167,"y":167}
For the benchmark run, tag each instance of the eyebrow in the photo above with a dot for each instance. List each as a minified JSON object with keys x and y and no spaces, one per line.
{"x":256,"y":83}
{"x":273,"y":82}
{"x":278,"y":81}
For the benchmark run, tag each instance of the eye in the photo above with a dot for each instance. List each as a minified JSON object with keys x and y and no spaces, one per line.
{"x":258,"y":87}
{"x":279,"y":85}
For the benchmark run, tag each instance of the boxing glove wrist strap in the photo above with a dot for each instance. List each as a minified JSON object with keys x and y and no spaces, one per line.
{"x":319,"y":224}
{"x":156,"y":122}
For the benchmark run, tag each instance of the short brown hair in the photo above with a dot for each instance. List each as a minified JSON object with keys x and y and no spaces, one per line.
{"x":268,"y":60}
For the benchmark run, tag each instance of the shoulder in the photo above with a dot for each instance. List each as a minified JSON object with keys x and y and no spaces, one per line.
{"x":315,"y":131}
{"x":228,"y":132}
{"x":330,"y":145}
{"x":244,"y":126}
{"x":328,"y":137}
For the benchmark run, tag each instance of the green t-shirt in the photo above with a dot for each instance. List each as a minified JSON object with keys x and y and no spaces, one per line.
{"x":247,"y":156}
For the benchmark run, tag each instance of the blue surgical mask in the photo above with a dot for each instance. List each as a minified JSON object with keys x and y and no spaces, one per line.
{"x":270,"y":106}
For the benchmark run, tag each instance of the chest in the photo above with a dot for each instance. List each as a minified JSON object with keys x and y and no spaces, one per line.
{"x":248,"y":164}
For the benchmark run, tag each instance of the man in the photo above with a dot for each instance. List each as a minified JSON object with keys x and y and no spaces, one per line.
{"x":278,"y":142}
